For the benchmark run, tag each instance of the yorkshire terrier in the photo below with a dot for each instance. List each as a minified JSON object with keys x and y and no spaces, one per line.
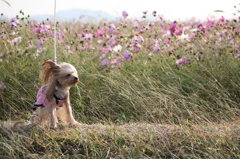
{"x":52,"y":100}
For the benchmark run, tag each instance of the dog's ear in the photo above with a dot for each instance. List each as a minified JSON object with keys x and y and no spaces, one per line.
{"x":51,"y":88}
{"x":50,"y":65}
{"x":50,"y":70}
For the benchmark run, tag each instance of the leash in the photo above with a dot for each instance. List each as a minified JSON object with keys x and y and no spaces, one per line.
{"x":55,"y":33}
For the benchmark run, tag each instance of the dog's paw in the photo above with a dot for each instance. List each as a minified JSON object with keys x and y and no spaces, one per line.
{"x":75,"y":124}
{"x":53,"y":127}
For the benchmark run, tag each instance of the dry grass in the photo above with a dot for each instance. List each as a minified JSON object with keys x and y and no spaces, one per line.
{"x":137,"y":140}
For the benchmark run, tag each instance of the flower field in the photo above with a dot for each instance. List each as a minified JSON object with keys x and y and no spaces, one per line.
{"x":179,"y":74}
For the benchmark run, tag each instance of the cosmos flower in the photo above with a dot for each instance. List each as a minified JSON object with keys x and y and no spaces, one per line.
{"x":182,"y":61}
{"x":138,"y":39}
{"x":14,"y":22}
{"x":99,"y":33}
{"x":106,"y":49}
{"x":178,"y":31}
{"x":222,"y":19}
{"x":2,"y":85}
{"x":172,"y":27}
{"x":124,"y":14}
{"x":237,"y":56}
{"x":111,"y":27}
{"x":127,"y":55}
{"x":117,"y":48}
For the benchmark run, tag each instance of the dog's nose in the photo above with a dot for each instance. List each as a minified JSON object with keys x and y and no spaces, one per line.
{"x":76,"y":78}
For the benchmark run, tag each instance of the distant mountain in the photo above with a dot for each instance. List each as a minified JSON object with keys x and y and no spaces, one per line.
{"x":77,"y":14}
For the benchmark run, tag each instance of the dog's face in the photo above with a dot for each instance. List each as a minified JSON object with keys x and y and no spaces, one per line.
{"x":67,"y":75}
{"x":64,"y":74}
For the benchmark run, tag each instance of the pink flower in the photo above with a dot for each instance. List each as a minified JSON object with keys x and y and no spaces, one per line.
{"x":14,"y":21}
{"x":127,"y":55}
{"x":39,"y":44}
{"x":209,"y":23}
{"x":201,"y":27}
{"x":14,"y":41}
{"x":156,"y":48}
{"x":237,"y":56}
{"x":166,"y":41}
{"x":160,"y":16}
{"x":191,"y":36}
{"x":60,"y":35}
{"x":106,"y":49}
{"x":88,"y":36}
{"x":43,"y":31}
{"x":179,"y":31}
{"x":182,"y":61}
{"x":124,"y":14}
{"x":105,"y":62}
{"x":99,"y":33}
{"x":99,"y":41}
{"x":111,"y":27}
{"x":137,"y":39}
{"x":136,"y":47}
{"x":2,"y":85}
{"x":222,"y":19}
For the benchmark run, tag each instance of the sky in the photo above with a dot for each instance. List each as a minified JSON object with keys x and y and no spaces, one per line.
{"x":170,"y":9}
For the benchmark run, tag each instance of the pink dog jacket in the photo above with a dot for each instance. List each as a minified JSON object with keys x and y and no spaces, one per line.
{"x":41,"y":99}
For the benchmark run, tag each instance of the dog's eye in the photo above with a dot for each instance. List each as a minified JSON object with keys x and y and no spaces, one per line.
{"x":68,"y":75}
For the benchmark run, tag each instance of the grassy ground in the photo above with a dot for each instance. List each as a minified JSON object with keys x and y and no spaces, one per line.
{"x":133,"y":140}
{"x":140,"y":105}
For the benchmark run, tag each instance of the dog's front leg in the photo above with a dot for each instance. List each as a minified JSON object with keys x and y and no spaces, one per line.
{"x":53,"y":117}
{"x":69,"y":114}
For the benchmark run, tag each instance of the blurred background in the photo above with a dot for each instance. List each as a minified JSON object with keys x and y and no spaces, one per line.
{"x":180,"y":10}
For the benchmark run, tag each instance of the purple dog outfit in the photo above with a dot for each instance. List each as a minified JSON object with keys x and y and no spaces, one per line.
{"x":41,"y":99}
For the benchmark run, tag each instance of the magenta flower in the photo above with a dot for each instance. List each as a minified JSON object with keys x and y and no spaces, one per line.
{"x":179,"y":31}
{"x":209,"y":23}
{"x":182,"y":61}
{"x":172,"y":27}
{"x":124,"y":14}
{"x":42,"y":31}
{"x":222,"y":19}
{"x":99,"y":33}
{"x":201,"y":27}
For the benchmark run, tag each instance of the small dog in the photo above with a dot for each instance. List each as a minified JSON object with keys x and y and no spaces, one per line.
{"x":52,"y":100}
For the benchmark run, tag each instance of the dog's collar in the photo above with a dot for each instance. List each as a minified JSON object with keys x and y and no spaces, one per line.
{"x":58,"y":99}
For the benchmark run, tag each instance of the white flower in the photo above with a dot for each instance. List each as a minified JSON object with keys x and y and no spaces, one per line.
{"x":117,"y":48}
